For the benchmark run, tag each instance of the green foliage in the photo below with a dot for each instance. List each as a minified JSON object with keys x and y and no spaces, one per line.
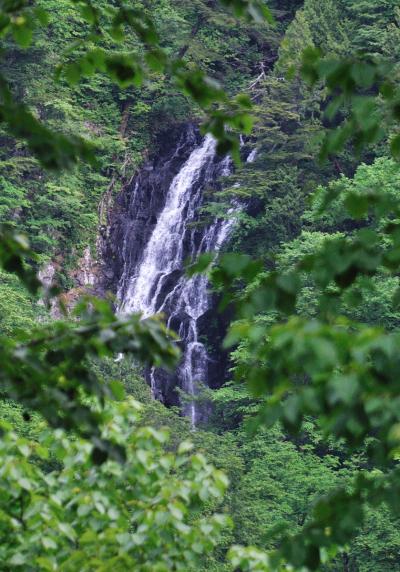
{"x":59,"y":212}
{"x":284,"y":477}
{"x":349,"y":199}
{"x":103,"y":23}
{"x":352,"y":85}
{"x":280,"y":486}
{"x":326,"y":363}
{"x":46,"y":368}
{"x":316,"y":336}
{"x":145,"y":514}
{"x":330,"y":367}
{"x":288,"y":129}
{"x":17,"y":308}
{"x":15,"y":255}
{"x":49,"y":373}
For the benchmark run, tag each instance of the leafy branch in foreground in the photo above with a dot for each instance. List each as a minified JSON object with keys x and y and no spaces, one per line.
{"x":88,"y":55}
{"x":343,"y":373}
{"x":330,"y":367}
{"x":363,"y":100}
{"x":146,"y":514}
{"x":47,"y":370}
{"x":54,"y":150}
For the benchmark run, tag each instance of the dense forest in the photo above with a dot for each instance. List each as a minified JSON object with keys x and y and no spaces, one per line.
{"x":282,"y":454}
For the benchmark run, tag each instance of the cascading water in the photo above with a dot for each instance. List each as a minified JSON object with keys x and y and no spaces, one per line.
{"x":165,"y":250}
{"x":156,"y":242}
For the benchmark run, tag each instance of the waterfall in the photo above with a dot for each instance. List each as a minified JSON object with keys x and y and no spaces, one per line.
{"x":164,"y":251}
{"x":252,"y":156}
{"x":153,"y":281}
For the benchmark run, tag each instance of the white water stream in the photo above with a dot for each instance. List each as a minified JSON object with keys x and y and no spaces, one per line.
{"x":151,"y":290}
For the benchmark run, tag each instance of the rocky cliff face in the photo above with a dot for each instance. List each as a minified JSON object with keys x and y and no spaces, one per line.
{"x":87,"y":278}
{"x":135,"y":210}
{"x":153,"y":228}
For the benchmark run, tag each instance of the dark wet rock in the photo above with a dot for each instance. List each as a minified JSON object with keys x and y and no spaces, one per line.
{"x":188,"y":308}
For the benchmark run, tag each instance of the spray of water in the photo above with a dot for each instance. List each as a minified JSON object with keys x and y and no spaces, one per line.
{"x":157,"y":283}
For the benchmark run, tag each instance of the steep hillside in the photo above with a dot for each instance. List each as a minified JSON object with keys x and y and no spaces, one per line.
{"x":298,"y":304}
